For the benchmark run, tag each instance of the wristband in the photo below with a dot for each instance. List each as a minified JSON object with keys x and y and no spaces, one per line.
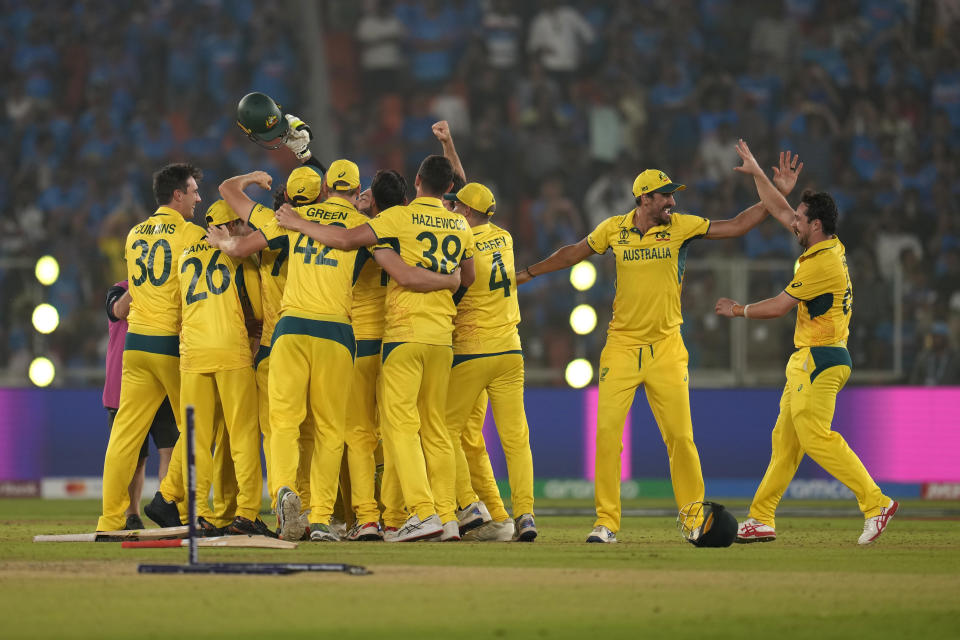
{"x":745,"y":311}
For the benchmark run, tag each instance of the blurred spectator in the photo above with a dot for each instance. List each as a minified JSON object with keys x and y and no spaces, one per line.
{"x":558,"y":35}
{"x":380,"y":34}
{"x":938,"y":363}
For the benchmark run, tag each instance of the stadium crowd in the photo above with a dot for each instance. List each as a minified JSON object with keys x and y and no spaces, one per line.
{"x":555,"y":105}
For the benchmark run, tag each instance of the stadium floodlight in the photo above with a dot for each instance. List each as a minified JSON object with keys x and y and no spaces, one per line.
{"x":579,"y":373}
{"x":583,"y":319}
{"x":47,"y":270}
{"x":42,"y":371}
{"x":45,"y":318}
{"x":583,"y":275}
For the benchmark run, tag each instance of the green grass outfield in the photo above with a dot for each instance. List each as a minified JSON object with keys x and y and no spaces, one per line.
{"x":813,"y":582}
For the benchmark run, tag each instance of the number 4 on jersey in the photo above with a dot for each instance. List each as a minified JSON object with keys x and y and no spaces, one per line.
{"x":499,"y":270}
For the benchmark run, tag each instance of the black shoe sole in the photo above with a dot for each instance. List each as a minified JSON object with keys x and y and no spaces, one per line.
{"x":527,"y":536}
{"x":752,"y":540}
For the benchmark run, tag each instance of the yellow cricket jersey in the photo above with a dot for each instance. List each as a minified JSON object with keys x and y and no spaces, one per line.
{"x":425,"y":234}
{"x":273,"y":269}
{"x":214,"y":336}
{"x":822,"y":284}
{"x":320,"y":279}
{"x":488,"y":313}
{"x":151,"y":249}
{"x":646,"y":306}
{"x":369,"y":295}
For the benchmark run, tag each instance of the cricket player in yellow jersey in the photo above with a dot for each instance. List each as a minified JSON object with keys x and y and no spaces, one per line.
{"x":819,"y":368}
{"x":388,"y":189}
{"x":417,"y":343}
{"x":216,"y":373}
{"x":487,"y":354}
{"x":303,"y":187}
{"x":151,"y":358}
{"x":644,"y":346}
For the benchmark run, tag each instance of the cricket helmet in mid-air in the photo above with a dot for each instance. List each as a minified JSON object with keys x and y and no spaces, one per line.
{"x":261,"y":119}
{"x":707,"y":524}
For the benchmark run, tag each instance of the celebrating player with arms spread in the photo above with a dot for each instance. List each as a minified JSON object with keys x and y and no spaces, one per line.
{"x":644,"y":346}
{"x":817,"y":370}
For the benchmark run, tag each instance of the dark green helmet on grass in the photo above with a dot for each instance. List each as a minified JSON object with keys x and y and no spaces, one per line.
{"x":261,"y":119}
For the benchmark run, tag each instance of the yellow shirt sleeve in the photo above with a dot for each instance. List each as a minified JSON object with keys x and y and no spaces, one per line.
{"x":468,"y":249}
{"x":386,"y":227}
{"x":809,"y":281}
{"x":599,"y":238}
{"x":691,"y":226}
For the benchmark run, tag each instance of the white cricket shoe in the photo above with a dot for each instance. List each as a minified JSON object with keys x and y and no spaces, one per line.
{"x":492,"y":531}
{"x":526,"y":528}
{"x":451,"y":532}
{"x":288,"y":514}
{"x":415,"y":529}
{"x":602,"y":534}
{"x":323,"y":533}
{"x":472,"y":516}
{"x":752,"y":530}
{"x":873,"y":527}
{"x":338,"y":526}
{"x":364,"y":531}
{"x":390,"y":534}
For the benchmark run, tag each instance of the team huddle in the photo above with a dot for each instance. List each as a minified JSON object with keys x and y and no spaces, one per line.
{"x":362,"y":336}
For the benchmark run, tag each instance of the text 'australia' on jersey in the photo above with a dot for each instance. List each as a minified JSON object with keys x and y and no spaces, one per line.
{"x":822,"y":284}
{"x":214,"y":335}
{"x":426,"y":235}
{"x":488,"y":313}
{"x":646,"y":306}
{"x":273,"y":270}
{"x":151,"y":249}
{"x":319,"y":278}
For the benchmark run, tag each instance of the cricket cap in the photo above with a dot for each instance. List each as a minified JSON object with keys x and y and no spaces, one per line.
{"x":220,"y":213}
{"x":343,"y":175}
{"x":476,"y":196}
{"x":303,"y":185}
{"x":654,"y":181}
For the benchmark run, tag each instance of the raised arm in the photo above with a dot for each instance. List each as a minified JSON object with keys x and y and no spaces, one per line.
{"x":784,"y":179}
{"x":562,"y":258}
{"x":327,"y":235}
{"x":763,"y":310}
{"x":415,"y":278}
{"x":231,"y":190}
{"x":236,"y":246}
{"x":442,"y":131}
{"x":772,"y":199}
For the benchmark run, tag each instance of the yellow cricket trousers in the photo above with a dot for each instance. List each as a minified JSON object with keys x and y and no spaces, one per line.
{"x":308,"y":361}
{"x":814,"y":377}
{"x":225,"y":489}
{"x":361,"y":436}
{"x":661,"y":368}
{"x":413,"y":397}
{"x":235,"y":392}
{"x":261,"y":363}
{"x":475,"y":479}
{"x":151,"y":372}
{"x":501,"y":376}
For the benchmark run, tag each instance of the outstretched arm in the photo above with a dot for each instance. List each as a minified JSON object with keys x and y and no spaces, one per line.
{"x":236,"y":246}
{"x":442,"y":131}
{"x":763,"y":310}
{"x":327,"y":235}
{"x":784,"y":179}
{"x":562,"y":258}
{"x":231,"y":190}
{"x":772,"y":200}
{"x":415,"y":278}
